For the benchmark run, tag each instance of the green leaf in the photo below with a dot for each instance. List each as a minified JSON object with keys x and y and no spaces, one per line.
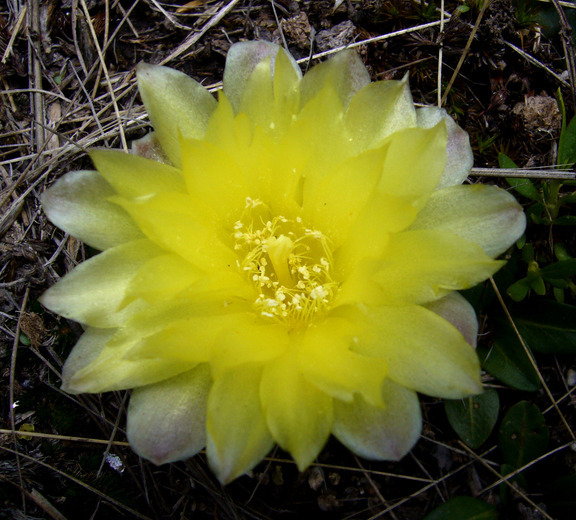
{"x":519,"y":480}
{"x":538,"y":285}
{"x":562,"y":269}
{"x":523,"y":434}
{"x":525,"y":187}
{"x":505,"y":162}
{"x":508,"y":362}
{"x":463,"y":508}
{"x":565,"y":220}
{"x":547,"y":326}
{"x":569,"y":198}
{"x":567,"y":146}
{"x":474,"y":418}
{"x":519,"y":290}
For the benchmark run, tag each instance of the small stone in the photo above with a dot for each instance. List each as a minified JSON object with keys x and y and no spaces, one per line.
{"x":539,"y":114}
{"x":338,"y":36}
{"x":297,"y":30}
{"x":315,"y":478}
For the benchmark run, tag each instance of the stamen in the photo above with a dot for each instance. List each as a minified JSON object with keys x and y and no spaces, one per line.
{"x":288,"y":264}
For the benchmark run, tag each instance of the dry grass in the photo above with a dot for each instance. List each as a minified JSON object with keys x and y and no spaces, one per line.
{"x":67,"y":84}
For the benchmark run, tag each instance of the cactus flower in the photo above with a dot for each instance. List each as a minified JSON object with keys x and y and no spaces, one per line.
{"x":279,"y":264}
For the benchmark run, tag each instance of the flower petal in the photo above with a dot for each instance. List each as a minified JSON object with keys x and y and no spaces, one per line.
{"x":378,"y":433}
{"x":328,"y":363}
{"x":383,"y":214}
{"x":167,"y":420}
{"x":459,"y":155}
{"x":78,"y":204}
{"x":378,"y":110}
{"x":344,"y":72}
{"x":424,"y":265}
{"x":334,"y":203}
{"x":176,"y":104}
{"x":271,"y":95}
{"x":161,"y":278}
{"x":238,"y":437}
{"x":414,"y":163}
{"x":94,"y":366}
{"x":298,"y":414}
{"x":457,"y":310}
{"x":93,"y":292}
{"x":133,"y":176}
{"x":424,"y":352}
{"x":243,"y":58}
{"x":226,"y":340}
{"x":214,"y":177}
{"x":174,"y":222}
{"x":486,"y":215}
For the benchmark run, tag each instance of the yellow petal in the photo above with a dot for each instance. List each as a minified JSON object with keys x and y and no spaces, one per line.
{"x":238,"y":437}
{"x":93,"y":292}
{"x":161,"y":278}
{"x":367,"y":238}
{"x":334,"y":203}
{"x":177,"y":106}
{"x":271,"y":96}
{"x":414,"y":163}
{"x":244,"y":57}
{"x":378,"y":110}
{"x":423,"y":351}
{"x":459,"y":155}
{"x":225,"y":340}
{"x":320,"y":131}
{"x":424,"y":265}
{"x":248,"y":339}
{"x":95,"y":366}
{"x":328,"y":363}
{"x":485,"y":215}
{"x":220,"y":129}
{"x":133,"y":176}
{"x":78,"y":204}
{"x":214,"y":177}
{"x":171,"y":220}
{"x":344,"y":73}
{"x":298,"y":414}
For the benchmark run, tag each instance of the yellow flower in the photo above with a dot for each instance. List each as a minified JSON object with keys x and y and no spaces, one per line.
{"x":279,"y":265}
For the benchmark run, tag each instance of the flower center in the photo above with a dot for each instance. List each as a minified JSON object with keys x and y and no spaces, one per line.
{"x":288,"y":264}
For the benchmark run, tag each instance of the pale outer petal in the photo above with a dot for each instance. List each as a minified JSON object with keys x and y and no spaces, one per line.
{"x":177,"y":106}
{"x":167,"y":420}
{"x":433,"y":358}
{"x":93,"y":292}
{"x":487,"y":215}
{"x":460,"y":157}
{"x":78,"y":204}
{"x":378,"y":110}
{"x":345,"y":72}
{"x":93,"y":367}
{"x":457,"y":310}
{"x":242,"y":59}
{"x":376,"y":433}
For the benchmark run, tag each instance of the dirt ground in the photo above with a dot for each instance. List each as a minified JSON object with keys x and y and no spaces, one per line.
{"x":67,"y":83}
